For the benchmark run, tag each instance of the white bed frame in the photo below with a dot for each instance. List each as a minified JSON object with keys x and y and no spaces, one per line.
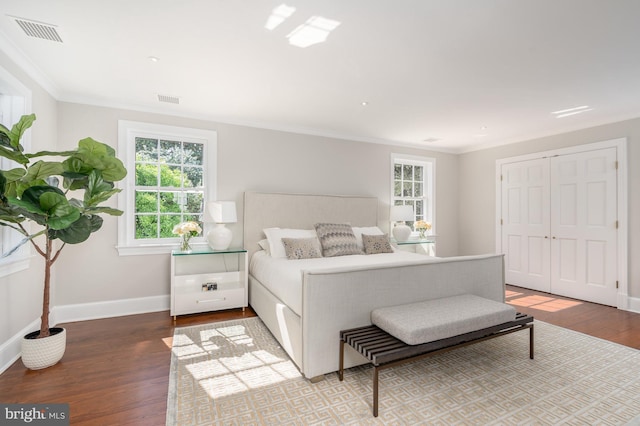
{"x":341,"y":299}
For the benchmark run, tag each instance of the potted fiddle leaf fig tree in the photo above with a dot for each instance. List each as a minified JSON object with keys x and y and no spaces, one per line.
{"x":45,"y":201}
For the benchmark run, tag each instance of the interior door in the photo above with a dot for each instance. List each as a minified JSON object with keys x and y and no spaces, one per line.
{"x":584,"y":226}
{"x":525,"y":223}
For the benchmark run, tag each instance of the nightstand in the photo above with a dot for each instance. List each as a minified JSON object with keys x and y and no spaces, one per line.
{"x":208,"y":280}
{"x":417,"y":245}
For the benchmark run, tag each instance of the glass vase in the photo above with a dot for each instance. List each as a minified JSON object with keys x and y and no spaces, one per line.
{"x":184,"y":244}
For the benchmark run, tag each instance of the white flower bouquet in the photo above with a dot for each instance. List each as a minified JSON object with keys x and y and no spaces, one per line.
{"x":187,"y":230}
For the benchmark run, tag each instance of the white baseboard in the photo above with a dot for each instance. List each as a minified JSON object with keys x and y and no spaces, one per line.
{"x":633,"y":304}
{"x":10,"y":350}
{"x":112,"y":308}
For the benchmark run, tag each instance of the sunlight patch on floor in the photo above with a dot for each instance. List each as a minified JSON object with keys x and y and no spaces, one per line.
{"x":542,"y":303}
{"x":227,"y":374}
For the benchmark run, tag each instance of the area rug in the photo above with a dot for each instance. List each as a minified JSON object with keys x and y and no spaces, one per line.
{"x":235,"y":373}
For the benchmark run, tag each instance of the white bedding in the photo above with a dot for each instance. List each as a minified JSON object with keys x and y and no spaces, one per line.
{"x":283,"y":277}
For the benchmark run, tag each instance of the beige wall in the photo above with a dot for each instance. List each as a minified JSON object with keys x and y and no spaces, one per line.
{"x":477,"y":186}
{"x":21,"y":292}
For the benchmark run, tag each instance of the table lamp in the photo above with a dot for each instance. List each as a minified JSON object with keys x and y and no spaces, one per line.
{"x":221,"y":213}
{"x":400,"y":214}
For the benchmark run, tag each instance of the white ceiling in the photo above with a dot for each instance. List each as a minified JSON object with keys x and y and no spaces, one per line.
{"x":470,"y":73}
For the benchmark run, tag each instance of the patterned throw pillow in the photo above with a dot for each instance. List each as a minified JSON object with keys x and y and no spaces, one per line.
{"x":374,"y":244}
{"x":302,"y":248}
{"x":337,"y":239}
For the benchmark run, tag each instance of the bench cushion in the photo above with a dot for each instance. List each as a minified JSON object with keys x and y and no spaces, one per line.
{"x":436,"y":319}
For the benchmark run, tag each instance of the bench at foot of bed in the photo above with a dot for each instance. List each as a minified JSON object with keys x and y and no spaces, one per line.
{"x":419,"y":322}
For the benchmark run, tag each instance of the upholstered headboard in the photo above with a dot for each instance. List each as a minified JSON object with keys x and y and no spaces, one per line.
{"x":299,"y":211}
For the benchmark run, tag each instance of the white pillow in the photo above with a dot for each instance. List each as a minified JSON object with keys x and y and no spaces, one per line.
{"x":275,"y":236}
{"x":264,"y":245}
{"x":367,"y":230}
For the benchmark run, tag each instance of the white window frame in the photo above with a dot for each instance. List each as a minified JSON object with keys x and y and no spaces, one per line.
{"x":127,"y":132}
{"x":429,"y":185}
{"x":15,"y":101}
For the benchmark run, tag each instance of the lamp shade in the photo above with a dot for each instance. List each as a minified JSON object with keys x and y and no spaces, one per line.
{"x":221,"y":212}
{"x":401,"y":213}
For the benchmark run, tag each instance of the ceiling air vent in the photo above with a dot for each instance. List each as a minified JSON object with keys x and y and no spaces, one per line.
{"x":169,"y":99}
{"x":38,"y":29}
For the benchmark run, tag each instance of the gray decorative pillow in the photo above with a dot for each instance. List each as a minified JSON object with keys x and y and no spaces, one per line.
{"x":337,"y":239}
{"x":374,"y":244}
{"x":302,"y":248}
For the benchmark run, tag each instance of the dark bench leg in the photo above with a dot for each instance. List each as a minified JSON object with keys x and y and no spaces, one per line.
{"x":531,"y":342}
{"x":341,"y":368}
{"x":375,"y":391}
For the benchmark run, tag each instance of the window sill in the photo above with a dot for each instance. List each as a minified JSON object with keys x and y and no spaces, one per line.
{"x":148,"y":249}
{"x":17,"y":265}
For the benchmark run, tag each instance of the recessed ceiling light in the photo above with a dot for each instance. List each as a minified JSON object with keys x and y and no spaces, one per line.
{"x":153,"y":58}
{"x":571,"y":111}
{"x":364,"y":103}
{"x":483,"y":128}
{"x":314,"y":31}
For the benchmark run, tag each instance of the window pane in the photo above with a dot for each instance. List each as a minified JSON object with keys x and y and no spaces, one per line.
{"x":146,"y":149}
{"x":407,"y":172}
{"x":146,"y":226}
{"x":419,"y":210}
{"x":193,"y":177}
{"x":172,"y":202}
{"x":418,"y":173}
{"x":193,"y":153}
{"x":417,"y":189}
{"x":397,"y":189}
{"x":194,"y":218}
{"x":167,"y":222}
{"x":170,"y":176}
{"x":195,"y":202}
{"x":407,"y":190}
{"x":146,"y":175}
{"x":170,"y":152}
{"x":146,"y":201}
{"x":397,"y":171}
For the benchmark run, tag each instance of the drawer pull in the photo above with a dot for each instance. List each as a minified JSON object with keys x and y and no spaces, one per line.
{"x":211,"y":300}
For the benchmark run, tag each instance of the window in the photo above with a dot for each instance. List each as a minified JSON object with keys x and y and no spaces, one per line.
{"x":15,"y":101}
{"x":171,"y":173}
{"x":413,"y":183}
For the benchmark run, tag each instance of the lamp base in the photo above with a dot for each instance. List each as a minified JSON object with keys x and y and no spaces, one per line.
{"x":401,"y":232}
{"x":219,"y":238}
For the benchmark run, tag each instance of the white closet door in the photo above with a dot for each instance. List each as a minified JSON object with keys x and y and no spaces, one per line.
{"x":583,"y":226}
{"x":525,"y":223}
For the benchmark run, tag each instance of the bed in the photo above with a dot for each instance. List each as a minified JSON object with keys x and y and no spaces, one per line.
{"x":306,"y":302}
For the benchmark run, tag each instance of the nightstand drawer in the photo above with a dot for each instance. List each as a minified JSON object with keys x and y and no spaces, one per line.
{"x":209,"y":301}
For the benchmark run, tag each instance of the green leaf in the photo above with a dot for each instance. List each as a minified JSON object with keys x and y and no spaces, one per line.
{"x":19,"y":128}
{"x":107,"y":210}
{"x":13,"y":155}
{"x":42,"y":170}
{"x":96,"y":222}
{"x":28,"y":205}
{"x":102,"y":197}
{"x":14,"y":174}
{"x":75,"y":166}
{"x":77,"y":232}
{"x":60,"y":213}
{"x":50,"y":154}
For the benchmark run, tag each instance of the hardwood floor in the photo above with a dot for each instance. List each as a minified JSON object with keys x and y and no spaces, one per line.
{"x":116,"y":371}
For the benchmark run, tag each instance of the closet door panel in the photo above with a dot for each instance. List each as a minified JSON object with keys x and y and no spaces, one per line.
{"x":525,"y":227}
{"x":583,"y":226}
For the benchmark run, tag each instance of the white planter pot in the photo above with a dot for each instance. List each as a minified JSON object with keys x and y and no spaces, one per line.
{"x":45,"y":352}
